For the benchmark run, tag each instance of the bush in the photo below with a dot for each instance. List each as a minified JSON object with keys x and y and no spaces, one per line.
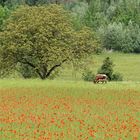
{"x":106,"y":68}
{"x":117,"y":77}
{"x":88,"y":75}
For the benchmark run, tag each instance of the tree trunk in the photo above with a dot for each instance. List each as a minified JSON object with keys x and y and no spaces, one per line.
{"x":41,"y":74}
{"x":44,"y":74}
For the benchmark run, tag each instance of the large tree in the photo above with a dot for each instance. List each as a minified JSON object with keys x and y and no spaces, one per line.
{"x":42,"y":38}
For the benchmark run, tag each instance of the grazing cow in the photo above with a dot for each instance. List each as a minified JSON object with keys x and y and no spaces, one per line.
{"x":100,"y":78}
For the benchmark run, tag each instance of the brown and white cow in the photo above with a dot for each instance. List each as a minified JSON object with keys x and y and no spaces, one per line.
{"x":100,"y":78}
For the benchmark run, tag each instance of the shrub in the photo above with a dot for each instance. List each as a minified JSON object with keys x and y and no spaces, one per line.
{"x":117,"y":77}
{"x":88,"y":75}
{"x":106,"y":68}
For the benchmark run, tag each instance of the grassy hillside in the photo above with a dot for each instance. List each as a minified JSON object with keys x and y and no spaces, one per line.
{"x":127,"y":64}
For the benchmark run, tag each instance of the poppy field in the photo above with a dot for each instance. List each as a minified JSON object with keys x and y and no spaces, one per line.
{"x":59,"y":110}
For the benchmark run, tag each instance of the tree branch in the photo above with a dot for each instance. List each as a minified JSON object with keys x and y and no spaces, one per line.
{"x":54,"y":67}
{"x":31,"y":65}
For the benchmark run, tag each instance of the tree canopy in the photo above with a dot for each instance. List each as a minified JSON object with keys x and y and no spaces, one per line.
{"x":43,"y":38}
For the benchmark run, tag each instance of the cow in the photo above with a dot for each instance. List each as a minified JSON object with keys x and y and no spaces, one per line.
{"x":100,"y":78}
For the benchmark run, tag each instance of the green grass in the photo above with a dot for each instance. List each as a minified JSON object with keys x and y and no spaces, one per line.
{"x":35,"y":83}
{"x":127,"y":64}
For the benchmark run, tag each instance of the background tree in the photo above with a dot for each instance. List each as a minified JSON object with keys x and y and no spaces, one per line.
{"x":113,"y":36}
{"x":122,"y":38}
{"x":4,"y":14}
{"x":43,"y":38}
{"x":131,"y":42}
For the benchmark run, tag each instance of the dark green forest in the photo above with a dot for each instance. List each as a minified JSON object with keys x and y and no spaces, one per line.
{"x":38,"y":36}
